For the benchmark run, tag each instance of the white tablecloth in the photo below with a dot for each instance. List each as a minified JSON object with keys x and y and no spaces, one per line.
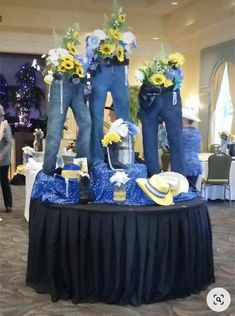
{"x":29,"y":181}
{"x":214,"y":192}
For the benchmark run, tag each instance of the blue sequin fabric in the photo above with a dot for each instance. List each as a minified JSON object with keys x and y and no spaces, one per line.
{"x":186,"y":196}
{"x":55,"y":190}
{"x":102,"y":189}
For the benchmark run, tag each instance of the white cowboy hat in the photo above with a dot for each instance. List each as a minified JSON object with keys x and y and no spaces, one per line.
{"x":190,"y":114}
{"x":177,"y":182}
{"x":157,"y":189}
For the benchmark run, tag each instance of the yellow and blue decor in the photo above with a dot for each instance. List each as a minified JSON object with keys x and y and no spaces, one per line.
{"x":57,"y":189}
{"x":102,"y":189}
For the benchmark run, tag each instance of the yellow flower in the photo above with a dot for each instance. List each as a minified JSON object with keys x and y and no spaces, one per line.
{"x":120,"y":53}
{"x":72,"y":48}
{"x":177,"y":59}
{"x":115,"y":34}
{"x":168,"y":83}
{"x":48,"y":79}
{"x":157,"y":79}
{"x":75,"y":35}
{"x":80,"y":71}
{"x":106,"y":49}
{"x":69,"y":64}
{"x":121,"y":18}
{"x":66,"y":58}
{"x":61,"y":68}
{"x":110,"y":138}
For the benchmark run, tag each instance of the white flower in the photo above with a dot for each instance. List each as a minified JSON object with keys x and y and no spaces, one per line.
{"x":119,"y":178}
{"x":129,"y":38}
{"x":119,"y":127}
{"x":139,"y":75}
{"x":28,"y":150}
{"x":123,"y":130}
{"x":100,"y":34}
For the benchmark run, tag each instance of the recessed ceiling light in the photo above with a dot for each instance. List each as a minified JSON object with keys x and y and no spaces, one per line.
{"x":174,"y":2}
{"x":155,"y":38}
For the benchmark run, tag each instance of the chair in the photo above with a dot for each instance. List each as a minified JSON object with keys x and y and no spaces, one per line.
{"x":214,"y":148}
{"x":218,"y":172}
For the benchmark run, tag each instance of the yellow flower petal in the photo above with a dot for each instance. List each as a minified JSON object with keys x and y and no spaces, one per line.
{"x":120,"y":53}
{"x":106,"y":49}
{"x":157,"y":79}
{"x":110,"y":138}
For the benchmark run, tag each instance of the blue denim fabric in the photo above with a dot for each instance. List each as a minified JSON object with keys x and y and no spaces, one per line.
{"x":73,"y":96}
{"x":162,"y":105}
{"x":107,"y":79}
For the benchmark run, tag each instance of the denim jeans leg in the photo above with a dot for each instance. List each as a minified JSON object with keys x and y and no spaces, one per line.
{"x":82,"y":116}
{"x":56,"y":121}
{"x":172,"y":115}
{"x":100,"y":84}
{"x":119,"y":89}
{"x":149,"y":120}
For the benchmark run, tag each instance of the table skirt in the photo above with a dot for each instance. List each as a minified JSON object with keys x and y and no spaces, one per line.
{"x":119,"y":254}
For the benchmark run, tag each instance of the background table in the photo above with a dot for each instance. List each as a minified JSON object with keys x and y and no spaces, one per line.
{"x":119,"y":254}
{"x":214,"y":192}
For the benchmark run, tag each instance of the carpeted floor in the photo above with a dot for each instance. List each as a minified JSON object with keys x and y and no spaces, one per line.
{"x":17,"y":300}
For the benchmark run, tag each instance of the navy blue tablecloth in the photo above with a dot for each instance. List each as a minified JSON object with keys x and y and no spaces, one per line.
{"x":119,"y":254}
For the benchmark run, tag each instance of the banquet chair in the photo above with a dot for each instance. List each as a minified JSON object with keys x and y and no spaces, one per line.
{"x":214,"y":148}
{"x":218,"y":172}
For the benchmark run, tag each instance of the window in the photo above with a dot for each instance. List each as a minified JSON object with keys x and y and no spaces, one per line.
{"x":223,"y":114}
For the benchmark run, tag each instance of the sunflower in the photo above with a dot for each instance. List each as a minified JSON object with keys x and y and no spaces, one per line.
{"x":61,"y":68}
{"x":168,"y":83}
{"x":115,"y":34}
{"x":67,"y":57}
{"x":177,"y":59}
{"x":120,"y":53}
{"x":121,"y":18}
{"x":69,"y":64}
{"x":157,"y":79}
{"x":75,"y":35}
{"x":80,"y":71}
{"x":106,"y":49}
{"x":72,"y":48}
{"x":110,"y":138}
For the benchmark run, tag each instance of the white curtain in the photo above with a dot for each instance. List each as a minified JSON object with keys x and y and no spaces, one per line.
{"x":214,"y":91}
{"x":231,"y":79}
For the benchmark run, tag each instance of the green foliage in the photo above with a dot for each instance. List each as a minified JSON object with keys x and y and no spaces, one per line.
{"x":134,"y":104}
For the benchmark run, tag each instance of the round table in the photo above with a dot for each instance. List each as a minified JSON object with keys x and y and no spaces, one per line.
{"x":119,"y":254}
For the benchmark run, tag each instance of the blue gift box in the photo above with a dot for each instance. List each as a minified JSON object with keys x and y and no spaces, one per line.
{"x":102,"y":189}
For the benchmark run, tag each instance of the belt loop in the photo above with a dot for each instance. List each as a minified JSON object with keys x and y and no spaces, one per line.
{"x":174,"y":98}
{"x":61,"y":97}
{"x":49,"y":93}
{"x":126,"y":75}
{"x":66,"y":187}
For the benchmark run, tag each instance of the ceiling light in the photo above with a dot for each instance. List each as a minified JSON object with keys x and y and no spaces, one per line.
{"x":155,"y":38}
{"x":174,"y":2}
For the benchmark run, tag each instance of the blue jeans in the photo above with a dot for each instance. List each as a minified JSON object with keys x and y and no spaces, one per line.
{"x":72,"y":94}
{"x":163,"y":106}
{"x":111,"y":79}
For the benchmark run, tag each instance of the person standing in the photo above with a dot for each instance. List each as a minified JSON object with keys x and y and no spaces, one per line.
{"x":191,"y":146}
{"x":5,"y":160}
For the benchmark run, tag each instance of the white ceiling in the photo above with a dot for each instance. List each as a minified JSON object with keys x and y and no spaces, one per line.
{"x":191,"y":23}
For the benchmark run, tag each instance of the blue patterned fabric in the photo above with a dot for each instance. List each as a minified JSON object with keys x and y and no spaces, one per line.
{"x":54,"y":190}
{"x":102,"y":189}
{"x":191,"y":145}
{"x":71,"y":166}
{"x":190,"y":195}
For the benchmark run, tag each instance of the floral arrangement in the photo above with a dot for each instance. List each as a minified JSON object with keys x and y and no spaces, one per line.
{"x":118,"y":130}
{"x":119,"y":178}
{"x":116,"y":40}
{"x":163,"y":71}
{"x":27,"y":150}
{"x":225,"y":135}
{"x":38,"y":133}
{"x":65,"y":59}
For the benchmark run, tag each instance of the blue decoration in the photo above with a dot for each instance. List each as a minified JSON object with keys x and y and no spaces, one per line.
{"x":55,"y":190}
{"x":102,"y":189}
{"x":190,"y":195}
